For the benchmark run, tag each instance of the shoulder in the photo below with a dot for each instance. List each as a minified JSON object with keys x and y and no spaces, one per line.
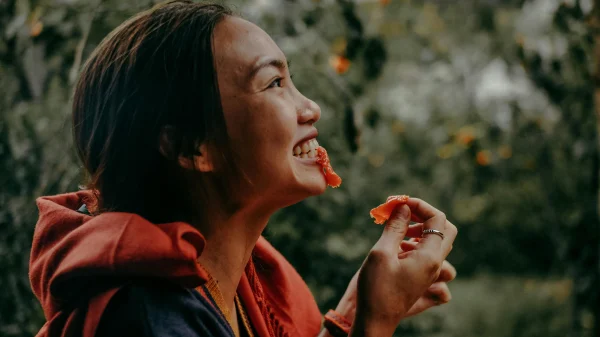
{"x":161,"y":310}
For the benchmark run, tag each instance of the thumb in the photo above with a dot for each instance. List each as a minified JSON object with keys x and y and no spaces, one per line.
{"x":395,"y":229}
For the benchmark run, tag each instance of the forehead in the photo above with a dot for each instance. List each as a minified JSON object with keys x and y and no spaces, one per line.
{"x":239,"y":45}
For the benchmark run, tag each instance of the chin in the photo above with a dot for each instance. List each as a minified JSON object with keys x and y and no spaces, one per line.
{"x":309,"y":179}
{"x":293,"y":194}
{"x":314,"y":186}
{"x":319,"y":189}
{"x":302,"y":181}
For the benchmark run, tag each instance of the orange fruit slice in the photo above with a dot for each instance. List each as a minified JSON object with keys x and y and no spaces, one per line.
{"x":331,"y":177}
{"x":383,"y":212}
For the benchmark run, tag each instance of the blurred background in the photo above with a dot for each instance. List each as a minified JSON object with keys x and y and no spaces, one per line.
{"x":485,"y":108}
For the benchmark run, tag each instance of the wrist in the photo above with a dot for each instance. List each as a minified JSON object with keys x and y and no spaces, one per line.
{"x":336,"y":324}
{"x":372,"y":325}
{"x":361,"y":328}
{"x":347,"y":308}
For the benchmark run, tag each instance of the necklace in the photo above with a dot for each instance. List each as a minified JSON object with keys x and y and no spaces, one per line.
{"x":213,"y":288}
{"x":244,"y":317}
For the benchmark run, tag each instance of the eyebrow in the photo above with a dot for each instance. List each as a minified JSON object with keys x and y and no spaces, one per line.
{"x":277,"y":63}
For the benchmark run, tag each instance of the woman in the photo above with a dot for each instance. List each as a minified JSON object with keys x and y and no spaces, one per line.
{"x":189,"y":126}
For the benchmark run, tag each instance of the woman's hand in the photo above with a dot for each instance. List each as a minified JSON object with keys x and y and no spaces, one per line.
{"x":438,"y":293}
{"x":391,"y":282}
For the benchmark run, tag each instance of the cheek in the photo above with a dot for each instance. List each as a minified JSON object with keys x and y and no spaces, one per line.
{"x":262,"y":131}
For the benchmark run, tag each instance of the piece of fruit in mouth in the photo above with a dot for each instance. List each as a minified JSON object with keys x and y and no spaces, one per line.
{"x":311,"y":149}
{"x":331,"y":177}
{"x":382,"y":213}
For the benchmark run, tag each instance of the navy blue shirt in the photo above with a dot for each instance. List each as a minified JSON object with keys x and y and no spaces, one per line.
{"x":165,"y":310}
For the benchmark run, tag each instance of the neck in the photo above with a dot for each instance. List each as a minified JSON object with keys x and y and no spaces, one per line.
{"x":229,"y":244}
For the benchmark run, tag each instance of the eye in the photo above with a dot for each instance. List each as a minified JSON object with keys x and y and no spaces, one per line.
{"x":276,"y":83}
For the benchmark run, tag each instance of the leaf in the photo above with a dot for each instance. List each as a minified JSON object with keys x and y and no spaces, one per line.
{"x":14,"y":25}
{"x":35,"y":70}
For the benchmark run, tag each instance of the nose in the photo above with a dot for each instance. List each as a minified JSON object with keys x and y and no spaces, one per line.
{"x":309,"y":112}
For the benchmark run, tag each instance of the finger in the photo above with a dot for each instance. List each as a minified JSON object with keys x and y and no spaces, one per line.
{"x":422,"y":209}
{"x":407,"y":246}
{"x":395,"y":229}
{"x":447,"y":272}
{"x":422,"y":304}
{"x":439,"y":292}
{"x":433,"y":241}
{"x":415,"y":218}
{"x":415,"y":230}
{"x":436,"y":246}
{"x":450,"y":232}
{"x":436,"y":220}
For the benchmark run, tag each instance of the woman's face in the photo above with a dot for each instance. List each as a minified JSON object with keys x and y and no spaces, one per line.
{"x":266,"y":117}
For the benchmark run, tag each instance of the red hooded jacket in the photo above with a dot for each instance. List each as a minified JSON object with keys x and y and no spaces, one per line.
{"x":79,"y":262}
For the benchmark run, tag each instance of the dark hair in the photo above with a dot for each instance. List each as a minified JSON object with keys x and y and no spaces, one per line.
{"x":153,"y":78}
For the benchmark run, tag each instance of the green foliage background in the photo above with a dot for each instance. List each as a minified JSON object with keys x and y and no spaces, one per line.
{"x":483,"y":108}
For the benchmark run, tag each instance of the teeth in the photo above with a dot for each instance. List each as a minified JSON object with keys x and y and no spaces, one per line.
{"x":307,"y":149}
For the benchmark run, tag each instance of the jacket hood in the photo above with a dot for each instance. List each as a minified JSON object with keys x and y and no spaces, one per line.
{"x":75,"y":256}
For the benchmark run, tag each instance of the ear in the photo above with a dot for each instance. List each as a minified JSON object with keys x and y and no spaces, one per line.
{"x":201,"y":161}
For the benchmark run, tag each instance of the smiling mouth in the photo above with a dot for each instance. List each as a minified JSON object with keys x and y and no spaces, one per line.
{"x":306,"y":149}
